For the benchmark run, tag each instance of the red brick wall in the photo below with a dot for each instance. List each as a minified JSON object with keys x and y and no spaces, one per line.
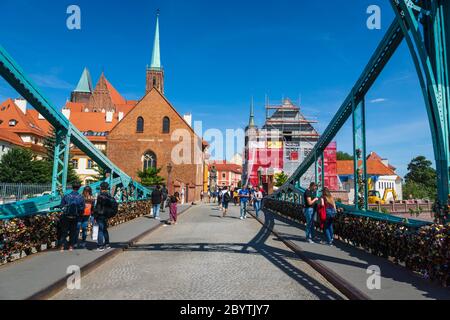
{"x":126,"y":147}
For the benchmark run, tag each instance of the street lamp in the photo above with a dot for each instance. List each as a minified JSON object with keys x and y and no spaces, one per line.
{"x":169,"y":181}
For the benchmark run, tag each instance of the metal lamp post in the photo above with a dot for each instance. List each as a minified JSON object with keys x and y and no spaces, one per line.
{"x":169,"y":180}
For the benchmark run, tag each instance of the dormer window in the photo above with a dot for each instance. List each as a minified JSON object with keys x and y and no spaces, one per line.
{"x":12,"y":123}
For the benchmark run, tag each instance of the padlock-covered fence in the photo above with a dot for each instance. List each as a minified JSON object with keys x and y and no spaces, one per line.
{"x":22,"y":237}
{"x":422,"y":249}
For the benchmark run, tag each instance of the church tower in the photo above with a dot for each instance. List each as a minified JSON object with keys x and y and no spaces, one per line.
{"x":155,"y":73}
{"x":83,"y":91}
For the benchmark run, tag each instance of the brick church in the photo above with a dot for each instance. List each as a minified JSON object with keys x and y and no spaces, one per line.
{"x":138,"y":134}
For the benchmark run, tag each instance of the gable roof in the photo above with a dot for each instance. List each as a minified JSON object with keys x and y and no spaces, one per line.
{"x":156,"y":91}
{"x":374,"y":167}
{"x":25,"y":123}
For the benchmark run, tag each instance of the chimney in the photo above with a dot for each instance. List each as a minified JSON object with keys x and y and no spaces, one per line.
{"x":188,"y":119}
{"x":22,"y":104}
{"x":66,"y":113}
{"x":109,"y":116}
{"x":385,"y":162}
{"x":120,"y":116}
{"x":40,"y":117}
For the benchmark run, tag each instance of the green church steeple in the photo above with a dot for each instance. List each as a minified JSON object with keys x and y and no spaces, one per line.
{"x":85,"y":83}
{"x":156,"y":55}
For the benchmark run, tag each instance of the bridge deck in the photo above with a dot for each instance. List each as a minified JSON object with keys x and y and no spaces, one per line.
{"x":397,"y":283}
{"x":24,"y":278}
{"x":205,"y":257}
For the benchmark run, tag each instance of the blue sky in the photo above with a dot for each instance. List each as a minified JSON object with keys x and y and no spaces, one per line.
{"x":218,"y":54}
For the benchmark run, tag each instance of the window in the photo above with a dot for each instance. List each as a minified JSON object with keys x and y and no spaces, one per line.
{"x":149,"y":160}
{"x":90,"y":164}
{"x":12,"y":123}
{"x":140,"y":125}
{"x":224,"y":175}
{"x":154,"y":81}
{"x":75,"y":163}
{"x":166,"y":125}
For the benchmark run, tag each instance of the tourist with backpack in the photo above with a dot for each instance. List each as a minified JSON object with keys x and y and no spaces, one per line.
{"x":73,"y":206}
{"x":156,"y":202}
{"x":84,"y":219}
{"x":106,"y":207}
{"x":226,"y":198}
{"x":327,"y":201}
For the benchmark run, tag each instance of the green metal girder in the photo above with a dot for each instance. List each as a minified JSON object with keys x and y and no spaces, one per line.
{"x":378,"y":61}
{"x":359,"y":153}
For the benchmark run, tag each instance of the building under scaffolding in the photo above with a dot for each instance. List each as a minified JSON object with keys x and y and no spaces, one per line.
{"x":283,"y":142}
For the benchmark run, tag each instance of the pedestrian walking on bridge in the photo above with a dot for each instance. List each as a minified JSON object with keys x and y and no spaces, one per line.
{"x":226,"y":198}
{"x":106,"y":207}
{"x":244,"y":196}
{"x":329,"y":203}
{"x":311,"y":201}
{"x":173,"y":208}
{"x":156,"y":202}
{"x":73,"y":207}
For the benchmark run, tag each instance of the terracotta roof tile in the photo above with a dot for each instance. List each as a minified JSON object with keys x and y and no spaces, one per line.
{"x":115,"y":95}
{"x":223,"y":166}
{"x":374,"y":167}
{"x":25,"y":123}
{"x":92,"y":121}
{"x":11,"y":137}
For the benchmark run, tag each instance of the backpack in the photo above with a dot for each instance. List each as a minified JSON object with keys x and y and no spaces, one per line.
{"x":72,"y":207}
{"x":226,"y":197}
{"x":107,"y":206}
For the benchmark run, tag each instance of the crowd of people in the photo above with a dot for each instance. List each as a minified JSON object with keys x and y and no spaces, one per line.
{"x":244,"y":197}
{"x":80,"y":210}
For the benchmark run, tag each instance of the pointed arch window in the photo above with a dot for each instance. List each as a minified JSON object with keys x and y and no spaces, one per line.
{"x":140,"y":125}
{"x":166,"y":125}
{"x":154,"y":82}
{"x":149,"y":160}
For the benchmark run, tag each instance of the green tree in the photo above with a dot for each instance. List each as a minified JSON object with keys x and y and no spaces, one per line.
{"x":150,"y":177}
{"x":280,"y":179}
{"x":421,"y":180}
{"x":49,"y":144}
{"x":18,"y":166}
{"x":343,"y":156}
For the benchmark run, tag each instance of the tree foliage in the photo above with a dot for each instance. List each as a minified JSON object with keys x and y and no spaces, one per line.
{"x":150,"y":177}
{"x":343,"y":156}
{"x":421,"y":180}
{"x":19,"y":166}
{"x":280,"y":178}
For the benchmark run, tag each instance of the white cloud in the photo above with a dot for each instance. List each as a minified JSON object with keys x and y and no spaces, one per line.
{"x":51,"y":81}
{"x":378,"y":100}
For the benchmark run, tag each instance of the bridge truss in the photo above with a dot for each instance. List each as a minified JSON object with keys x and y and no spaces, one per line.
{"x":425,"y":26}
{"x":66,"y":134}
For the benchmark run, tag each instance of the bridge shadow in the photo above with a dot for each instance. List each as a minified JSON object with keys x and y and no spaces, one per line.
{"x":389,"y":269}
{"x":257,"y":246}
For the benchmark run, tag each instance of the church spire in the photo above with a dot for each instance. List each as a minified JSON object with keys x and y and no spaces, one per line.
{"x":156,"y":55}
{"x":155,"y":73}
{"x":251,"y":122}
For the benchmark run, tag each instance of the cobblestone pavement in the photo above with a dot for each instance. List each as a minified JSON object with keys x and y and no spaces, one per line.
{"x":206,"y":257}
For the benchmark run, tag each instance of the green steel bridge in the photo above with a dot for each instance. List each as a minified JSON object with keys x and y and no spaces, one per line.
{"x":425,"y":26}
